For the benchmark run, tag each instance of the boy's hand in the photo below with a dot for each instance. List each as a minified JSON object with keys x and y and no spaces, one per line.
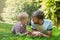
{"x":26,"y":33}
{"x":22,"y":34}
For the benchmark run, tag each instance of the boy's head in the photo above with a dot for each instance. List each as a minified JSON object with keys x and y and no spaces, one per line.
{"x":23,"y":17}
{"x":38,"y":17}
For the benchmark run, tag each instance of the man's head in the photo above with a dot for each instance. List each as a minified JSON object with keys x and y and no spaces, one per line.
{"x":23,"y":17}
{"x":38,"y":17}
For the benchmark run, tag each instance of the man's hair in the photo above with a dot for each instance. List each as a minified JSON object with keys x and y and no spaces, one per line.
{"x":22,"y":15}
{"x":39,"y":14}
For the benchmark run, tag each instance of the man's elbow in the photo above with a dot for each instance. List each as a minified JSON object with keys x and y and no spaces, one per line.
{"x":49,"y":33}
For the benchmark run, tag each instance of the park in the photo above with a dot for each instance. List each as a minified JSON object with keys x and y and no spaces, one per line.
{"x":9,"y":9}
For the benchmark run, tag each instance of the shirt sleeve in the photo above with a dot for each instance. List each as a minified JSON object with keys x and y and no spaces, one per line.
{"x":50,"y":26}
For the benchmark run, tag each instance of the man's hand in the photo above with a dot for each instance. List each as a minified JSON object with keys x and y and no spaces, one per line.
{"x":44,"y":35}
{"x":35,"y":33}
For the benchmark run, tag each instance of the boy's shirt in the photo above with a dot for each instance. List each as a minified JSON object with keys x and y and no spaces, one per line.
{"x":18,"y":28}
{"x":47,"y":25}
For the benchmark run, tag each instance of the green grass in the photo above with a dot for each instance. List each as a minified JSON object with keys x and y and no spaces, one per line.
{"x":5,"y":34}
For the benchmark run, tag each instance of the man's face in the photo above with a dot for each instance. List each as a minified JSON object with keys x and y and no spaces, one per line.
{"x":35,"y":20}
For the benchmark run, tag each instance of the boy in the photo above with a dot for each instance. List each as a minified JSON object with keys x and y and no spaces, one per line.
{"x":40,"y":26}
{"x":20,"y":27}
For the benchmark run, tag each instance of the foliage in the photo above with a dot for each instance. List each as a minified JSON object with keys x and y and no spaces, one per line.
{"x":12,"y":8}
{"x":49,"y":9}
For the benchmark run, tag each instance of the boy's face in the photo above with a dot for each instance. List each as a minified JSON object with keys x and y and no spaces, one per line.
{"x":24,"y":21}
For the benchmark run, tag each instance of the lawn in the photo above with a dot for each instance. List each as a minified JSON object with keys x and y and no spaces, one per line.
{"x":5,"y":34}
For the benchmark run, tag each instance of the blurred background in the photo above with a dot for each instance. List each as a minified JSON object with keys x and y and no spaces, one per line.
{"x":9,"y":9}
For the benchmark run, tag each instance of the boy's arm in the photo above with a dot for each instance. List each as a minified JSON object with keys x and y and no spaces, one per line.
{"x":21,"y":34}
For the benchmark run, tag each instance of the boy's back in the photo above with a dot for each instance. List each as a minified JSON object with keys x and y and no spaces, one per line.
{"x":18,"y":28}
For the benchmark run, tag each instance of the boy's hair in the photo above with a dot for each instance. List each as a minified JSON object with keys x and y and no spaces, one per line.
{"x":22,"y":15}
{"x":39,"y":14}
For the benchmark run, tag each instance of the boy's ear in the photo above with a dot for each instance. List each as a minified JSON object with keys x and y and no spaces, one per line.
{"x":29,"y":22}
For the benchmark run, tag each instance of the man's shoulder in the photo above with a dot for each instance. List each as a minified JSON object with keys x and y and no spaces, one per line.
{"x":47,"y":21}
{"x":46,"y":24}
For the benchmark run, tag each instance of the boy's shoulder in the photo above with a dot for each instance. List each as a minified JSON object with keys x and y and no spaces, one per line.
{"x":17,"y":24}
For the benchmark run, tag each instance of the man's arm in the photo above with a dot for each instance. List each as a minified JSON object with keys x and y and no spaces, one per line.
{"x":49,"y":34}
{"x":49,"y":30}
